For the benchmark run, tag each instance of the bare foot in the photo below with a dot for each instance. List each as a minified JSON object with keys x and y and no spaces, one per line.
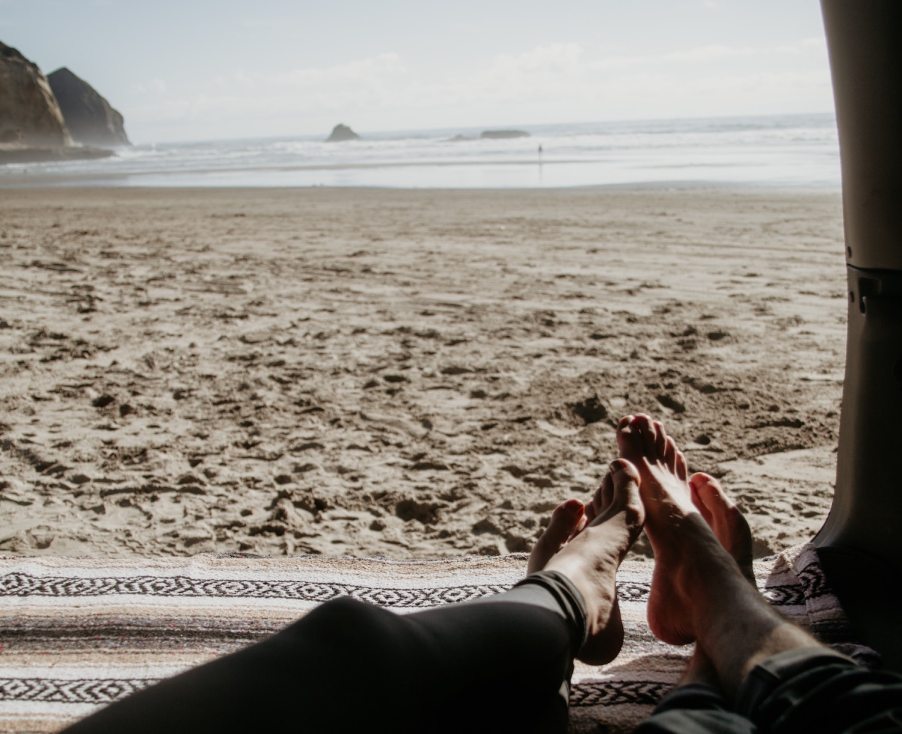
{"x":587,"y":545}
{"x":698,"y":589}
{"x":724,"y":518}
{"x":667,"y":496}
{"x":733,"y":532}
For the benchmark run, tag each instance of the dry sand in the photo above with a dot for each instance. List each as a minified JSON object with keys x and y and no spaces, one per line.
{"x":397,"y":373}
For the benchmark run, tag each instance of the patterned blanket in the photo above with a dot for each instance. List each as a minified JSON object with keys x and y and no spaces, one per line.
{"x":77,"y":633}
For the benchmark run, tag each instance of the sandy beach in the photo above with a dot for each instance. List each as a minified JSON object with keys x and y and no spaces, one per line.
{"x":410,"y":374}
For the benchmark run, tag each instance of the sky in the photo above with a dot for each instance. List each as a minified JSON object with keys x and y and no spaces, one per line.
{"x":211,"y":69}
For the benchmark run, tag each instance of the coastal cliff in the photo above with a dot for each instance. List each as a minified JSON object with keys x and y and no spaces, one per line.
{"x":29,"y":113}
{"x":33,"y":126}
{"x":90,"y":118}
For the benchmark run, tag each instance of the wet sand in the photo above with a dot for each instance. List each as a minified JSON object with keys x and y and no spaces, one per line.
{"x":410,"y":374}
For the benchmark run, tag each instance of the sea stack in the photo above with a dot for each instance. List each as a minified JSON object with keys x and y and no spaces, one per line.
{"x":503,"y":134}
{"x":91,"y":120}
{"x":29,"y":113}
{"x":341,"y":133}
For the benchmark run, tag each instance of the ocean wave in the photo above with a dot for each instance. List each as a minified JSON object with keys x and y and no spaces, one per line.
{"x":790,"y":149}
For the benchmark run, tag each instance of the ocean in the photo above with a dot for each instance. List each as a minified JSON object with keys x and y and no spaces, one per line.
{"x":785,"y":150}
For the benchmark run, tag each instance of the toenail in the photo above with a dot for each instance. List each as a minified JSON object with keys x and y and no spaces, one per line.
{"x":573,"y":506}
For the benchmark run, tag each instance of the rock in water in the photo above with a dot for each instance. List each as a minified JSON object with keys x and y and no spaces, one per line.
{"x":90,"y":118}
{"x":29,"y":113}
{"x":503,"y":134}
{"x":340,"y":133}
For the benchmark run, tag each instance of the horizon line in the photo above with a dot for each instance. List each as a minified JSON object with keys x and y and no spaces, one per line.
{"x":464,"y":128}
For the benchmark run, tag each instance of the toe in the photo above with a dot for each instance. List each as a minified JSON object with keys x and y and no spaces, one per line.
{"x":646,"y":430}
{"x":591,"y":512}
{"x":670,"y":454}
{"x":629,"y":439}
{"x":607,"y":493}
{"x":709,"y":492}
{"x":697,"y":501}
{"x":660,"y":439}
{"x":600,"y":499}
{"x":564,"y":522}
{"x":682,"y":468}
{"x":600,"y":508}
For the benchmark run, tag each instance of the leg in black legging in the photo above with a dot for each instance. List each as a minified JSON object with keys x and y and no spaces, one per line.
{"x":498,"y":664}
{"x":495,"y":665}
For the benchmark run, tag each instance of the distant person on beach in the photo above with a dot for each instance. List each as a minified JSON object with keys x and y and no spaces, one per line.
{"x":502,"y":663}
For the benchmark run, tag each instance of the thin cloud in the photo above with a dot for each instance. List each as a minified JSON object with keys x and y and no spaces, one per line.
{"x":714,"y":52}
{"x":558,"y":81}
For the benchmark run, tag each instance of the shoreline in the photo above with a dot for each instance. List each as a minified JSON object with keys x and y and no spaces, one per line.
{"x":403,"y":373}
{"x":12,"y":155}
{"x":781,"y":150}
{"x":63,"y":183}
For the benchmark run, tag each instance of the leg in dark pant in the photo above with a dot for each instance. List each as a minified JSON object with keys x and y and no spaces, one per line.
{"x":497,"y":664}
{"x":815,"y":689}
{"x":493,"y":665}
{"x":799,"y":690}
{"x":695,"y":709}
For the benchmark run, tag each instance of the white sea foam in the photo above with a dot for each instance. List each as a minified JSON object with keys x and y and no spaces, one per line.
{"x":780,"y":150}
